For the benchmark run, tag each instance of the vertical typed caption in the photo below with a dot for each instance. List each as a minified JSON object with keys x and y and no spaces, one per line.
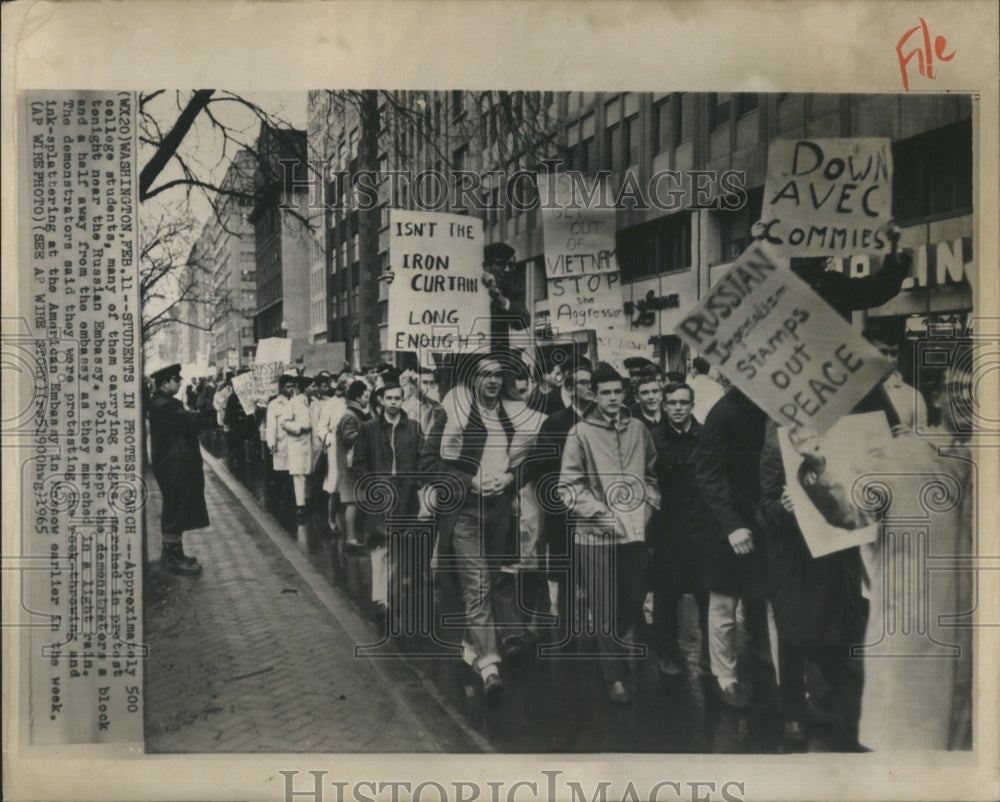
{"x":81,"y":478}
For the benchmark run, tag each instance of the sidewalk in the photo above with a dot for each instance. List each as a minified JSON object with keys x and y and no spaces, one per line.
{"x":257,"y":653}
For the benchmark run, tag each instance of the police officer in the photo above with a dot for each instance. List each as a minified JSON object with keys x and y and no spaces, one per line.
{"x":176,"y":459}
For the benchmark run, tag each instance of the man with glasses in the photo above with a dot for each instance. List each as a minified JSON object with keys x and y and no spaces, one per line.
{"x":677,"y":549}
{"x":507,"y":309}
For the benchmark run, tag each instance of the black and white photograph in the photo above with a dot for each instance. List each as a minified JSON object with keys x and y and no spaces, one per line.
{"x":630,"y":439}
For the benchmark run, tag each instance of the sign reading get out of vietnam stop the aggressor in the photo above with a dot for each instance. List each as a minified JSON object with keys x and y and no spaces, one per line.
{"x":781,"y":344}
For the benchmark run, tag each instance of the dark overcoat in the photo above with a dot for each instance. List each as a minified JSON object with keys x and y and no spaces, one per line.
{"x":727,"y":469}
{"x":176,"y":460}
{"x":817,"y":601}
{"x":682,"y":517}
{"x":543,"y":468}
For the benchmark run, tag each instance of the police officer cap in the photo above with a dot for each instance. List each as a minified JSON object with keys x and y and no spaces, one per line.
{"x":498,"y":252}
{"x":167,"y":373}
{"x":288,"y":378}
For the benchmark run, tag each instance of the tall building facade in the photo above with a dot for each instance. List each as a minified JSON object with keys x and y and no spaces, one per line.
{"x":233,"y":262}
{"x":669,"y":252}
{"x":281,"y":236}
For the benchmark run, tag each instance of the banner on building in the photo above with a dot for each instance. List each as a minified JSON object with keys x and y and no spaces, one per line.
{"x":581,"y":266}
{"x":767,"y":331}
{"x":828,"y":196}
{"x":843,"y":447}
{"x":437,"y":300}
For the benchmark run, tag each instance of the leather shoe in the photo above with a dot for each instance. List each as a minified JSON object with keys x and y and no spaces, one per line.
{"x":619,"y":694}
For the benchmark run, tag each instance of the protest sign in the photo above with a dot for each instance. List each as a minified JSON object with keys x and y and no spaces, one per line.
{"x":437,"y":299}
{"x":273,"y":349}
{"x":260,"y":384}
{"x":581,"y":266}
{"x":243,"y":387}
{"x":320,"y":356}
{"x":844,"y":446}
{"x":828,"y":196}
{"x":781,"y":344}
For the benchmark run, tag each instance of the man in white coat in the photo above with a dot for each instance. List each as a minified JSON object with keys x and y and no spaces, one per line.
{"x":289,"y":436}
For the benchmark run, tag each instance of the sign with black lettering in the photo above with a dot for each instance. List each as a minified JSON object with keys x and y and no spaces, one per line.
{"x":781,"y":344}
{"x":828,"y":196}
{"x":437,"y":300}
{"x":581,"y":265}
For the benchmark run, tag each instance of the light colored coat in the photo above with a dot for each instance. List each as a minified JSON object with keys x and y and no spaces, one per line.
{"x":608,"y":482}
{"x":328,"y":415}
{"x":289,"y":434}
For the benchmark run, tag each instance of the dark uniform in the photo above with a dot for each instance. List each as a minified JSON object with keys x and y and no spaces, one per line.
{"x":176,"y":461}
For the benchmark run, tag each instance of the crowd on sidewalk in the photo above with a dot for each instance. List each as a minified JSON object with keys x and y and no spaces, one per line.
{"x":602,"y":500}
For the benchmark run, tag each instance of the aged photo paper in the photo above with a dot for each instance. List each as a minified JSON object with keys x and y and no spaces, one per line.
{"x":234,"y":230}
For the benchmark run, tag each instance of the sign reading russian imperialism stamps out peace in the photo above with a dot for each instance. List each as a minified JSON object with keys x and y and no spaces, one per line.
{"x":828,"y":196}
{"x":437,"y":300}
{"x":781,"y":344}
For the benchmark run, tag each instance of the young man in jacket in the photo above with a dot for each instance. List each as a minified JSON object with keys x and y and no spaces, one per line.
{"x":677,"y":548}
{"x":609,"y":488}
{"x":480,"y":441}
{"x":386,"y":452}
{"x":544,"y":469}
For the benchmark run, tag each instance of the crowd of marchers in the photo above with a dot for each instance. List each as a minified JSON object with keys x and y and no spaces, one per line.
{"x":622,"y":494}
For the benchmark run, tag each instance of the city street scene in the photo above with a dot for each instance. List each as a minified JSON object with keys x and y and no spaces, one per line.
{"x":558,"y":422}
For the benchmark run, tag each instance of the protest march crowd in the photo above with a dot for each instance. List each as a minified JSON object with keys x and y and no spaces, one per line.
{"x":560,"y":490}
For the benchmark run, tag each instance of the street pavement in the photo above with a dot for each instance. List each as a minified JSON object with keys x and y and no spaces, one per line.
{"x":257,"y":653}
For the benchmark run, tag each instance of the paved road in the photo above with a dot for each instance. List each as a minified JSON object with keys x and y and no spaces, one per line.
{"x":248,"y":657}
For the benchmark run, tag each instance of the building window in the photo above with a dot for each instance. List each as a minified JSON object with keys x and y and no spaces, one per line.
{"x":457,"y":104}
{"x":932,"y":174}
{"x":650,"y":249}
{"x":632,"y":140}
{"x":744,"y":102}
{"x":719,"y":108}
{"x":614,"y":148}
{"x":734,"y":226}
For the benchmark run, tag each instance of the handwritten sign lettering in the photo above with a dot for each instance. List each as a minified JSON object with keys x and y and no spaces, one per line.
{"x":437,"y":300}
{"x":825,"y":196}
{"x":781,"y":344}
{"x":581,"y":265}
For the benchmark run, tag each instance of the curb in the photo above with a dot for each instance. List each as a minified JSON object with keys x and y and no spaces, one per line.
{"x":356,"y":627}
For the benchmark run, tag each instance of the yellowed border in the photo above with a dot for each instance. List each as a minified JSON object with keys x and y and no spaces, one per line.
{"x":759,"y":46}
